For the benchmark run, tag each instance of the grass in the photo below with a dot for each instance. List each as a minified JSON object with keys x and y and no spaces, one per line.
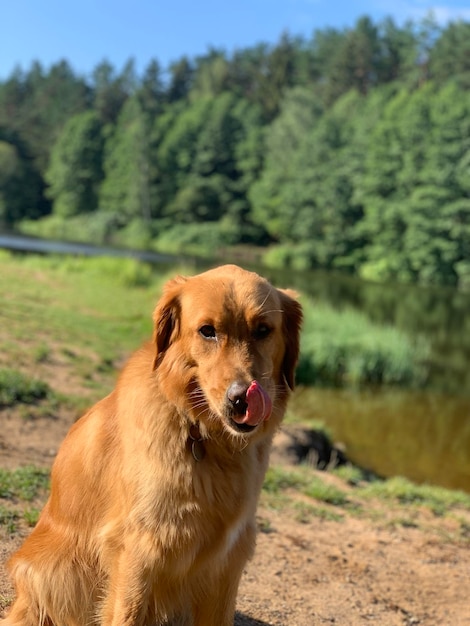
{"x":305,"y":513}
{"x":403,"y":491}
{"x":309,"y":494}
{"x":324,"y":492}
{"x":85,"y":315}
{"x":280,"y":481}
{"x":18,"y":489}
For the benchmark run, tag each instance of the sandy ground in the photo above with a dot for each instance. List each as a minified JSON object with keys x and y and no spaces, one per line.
{"x":359,"y":570}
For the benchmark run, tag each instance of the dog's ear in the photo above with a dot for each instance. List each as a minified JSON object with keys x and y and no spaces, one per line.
{"x":291,"y":323}
{"x":166,"y":317}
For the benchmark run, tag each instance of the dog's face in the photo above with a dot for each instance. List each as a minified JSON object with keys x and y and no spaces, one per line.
{"x":227,"y":344}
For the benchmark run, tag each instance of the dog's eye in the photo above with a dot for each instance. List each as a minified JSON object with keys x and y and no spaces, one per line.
{"x":262,"y":331}
{"x":208,"y":332}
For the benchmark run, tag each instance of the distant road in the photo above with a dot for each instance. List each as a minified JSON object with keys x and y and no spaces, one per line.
{"x":32,"y":244}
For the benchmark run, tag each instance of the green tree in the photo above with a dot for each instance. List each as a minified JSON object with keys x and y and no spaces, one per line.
{"x":307,"y":195}
{"x":323,"y":48}
{"x":127,"y":191}
{"x":151,"y":92}
{"x":395,"y":154}
{"x":356,"y":63}
{"x":450,"y":56}
{"x":263,"y":73}
{"x":19,"y":188}
{"x":75,"y":170}
{"x":398,"y":51}
{"x":176,"y":135}
{"x":416,"y":185}
{"x":111,"y":90}
{"x":38,"y":103}
{"x":209,"y":146}
{"x":181,"y":78}
{"x":300,"y":112}
{"x":439,"y":205}
{"x":211,"y":75}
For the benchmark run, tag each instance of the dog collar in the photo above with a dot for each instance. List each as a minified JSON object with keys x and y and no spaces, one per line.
{"x":196,"y":444}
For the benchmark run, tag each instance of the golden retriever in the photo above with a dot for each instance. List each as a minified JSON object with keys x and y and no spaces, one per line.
{"x":151,"y":516}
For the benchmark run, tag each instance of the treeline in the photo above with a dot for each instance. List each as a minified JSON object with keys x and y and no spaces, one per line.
{"x":350,"y":150}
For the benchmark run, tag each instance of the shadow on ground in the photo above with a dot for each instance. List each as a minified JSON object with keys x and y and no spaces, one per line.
{"x":244,"y":620}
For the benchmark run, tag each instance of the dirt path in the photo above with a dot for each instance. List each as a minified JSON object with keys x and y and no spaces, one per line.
{"x":358,"y":570}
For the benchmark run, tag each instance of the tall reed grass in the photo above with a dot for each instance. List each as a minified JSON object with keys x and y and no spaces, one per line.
{"x":345,"y":348}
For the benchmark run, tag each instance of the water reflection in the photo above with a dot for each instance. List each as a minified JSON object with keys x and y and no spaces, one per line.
{"x":424,"y":436}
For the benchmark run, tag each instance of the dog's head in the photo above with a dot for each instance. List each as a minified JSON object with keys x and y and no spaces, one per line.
{"x":227,"y":344}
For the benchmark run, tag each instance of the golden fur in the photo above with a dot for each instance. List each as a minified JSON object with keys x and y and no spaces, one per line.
{"x":137,"y":531}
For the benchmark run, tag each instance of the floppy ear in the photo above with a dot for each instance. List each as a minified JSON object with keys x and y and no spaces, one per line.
{"x":291,"y":323}
{"x":166,"y":317}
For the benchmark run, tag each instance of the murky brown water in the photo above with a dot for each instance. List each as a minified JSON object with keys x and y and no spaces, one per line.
{"x":424,"y":436}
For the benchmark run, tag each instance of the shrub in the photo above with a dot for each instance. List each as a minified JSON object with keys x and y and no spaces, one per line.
{"x":298,"y":257}
{"x":136,"y":234}
{"x":203,"y":238}
{"x":89,"y":228}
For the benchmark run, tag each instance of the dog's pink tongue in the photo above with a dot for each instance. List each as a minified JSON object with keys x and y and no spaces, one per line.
{"x":259,"y":404}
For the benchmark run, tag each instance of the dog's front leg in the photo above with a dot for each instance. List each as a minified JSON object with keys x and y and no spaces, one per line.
{"x":127,"y":597}
{"x":215,"y":605}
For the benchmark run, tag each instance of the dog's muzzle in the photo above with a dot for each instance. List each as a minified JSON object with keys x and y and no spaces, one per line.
{"x":249,"y":405}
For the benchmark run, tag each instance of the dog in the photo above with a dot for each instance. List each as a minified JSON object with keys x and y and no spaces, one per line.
{"x":151,"y":515}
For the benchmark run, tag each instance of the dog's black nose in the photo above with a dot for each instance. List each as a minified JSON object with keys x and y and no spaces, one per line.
{"x":236,"y":395}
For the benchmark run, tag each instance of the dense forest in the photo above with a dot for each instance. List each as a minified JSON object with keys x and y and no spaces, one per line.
{"x":349,"y":150}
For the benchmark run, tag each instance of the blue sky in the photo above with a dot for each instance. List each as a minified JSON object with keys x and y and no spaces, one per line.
{"x":89,"y":31}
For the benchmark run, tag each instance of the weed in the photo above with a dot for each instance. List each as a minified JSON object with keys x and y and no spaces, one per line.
{"x":405,"y":522}
{"x":354,"y":475}
{"x":264,"y":525}
{"x":324,"y":492}
{"x":16,"y":387}
{"x":31,"y":516}
{"x":278,"y":479}
{"x":8,"y":519}
{"x":42,"y":353}
{"x":304,"y":513}
{"x":437,"y":499}
{"x":276,"y":502}
{"x":25,"y":483}
{"x":465,"y":529}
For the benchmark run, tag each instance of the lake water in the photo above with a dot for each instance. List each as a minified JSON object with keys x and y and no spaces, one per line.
{"x":424,"y":436}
